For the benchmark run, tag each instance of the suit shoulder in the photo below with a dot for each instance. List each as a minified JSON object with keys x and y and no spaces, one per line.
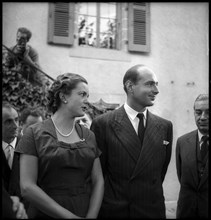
{"x":162,"y":120}
{"x":187,"y":135}
{"x":106,"y":116}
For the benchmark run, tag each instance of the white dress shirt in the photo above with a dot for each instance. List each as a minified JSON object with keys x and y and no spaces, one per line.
{"x":132,"y":115}
{"x":12,"y":149}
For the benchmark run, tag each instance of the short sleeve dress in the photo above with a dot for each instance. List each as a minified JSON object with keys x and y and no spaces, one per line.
{"x":64,"y":170}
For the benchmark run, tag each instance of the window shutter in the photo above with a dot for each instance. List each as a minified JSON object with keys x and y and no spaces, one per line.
{"x":61,"y":23}
{"x":139,"y":27}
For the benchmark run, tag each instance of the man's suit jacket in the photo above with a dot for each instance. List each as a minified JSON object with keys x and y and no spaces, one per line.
{"x":7,"y":203}
{"x":193,"y":195}
{"x":133,"y":180}
{"x":11,"y":176}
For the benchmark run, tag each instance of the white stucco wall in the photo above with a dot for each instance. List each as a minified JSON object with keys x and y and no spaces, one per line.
{"x":179,"y":57}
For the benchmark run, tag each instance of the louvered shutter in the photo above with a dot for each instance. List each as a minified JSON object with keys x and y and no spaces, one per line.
{"x":61,"y":23}
{"x":139,"y":27}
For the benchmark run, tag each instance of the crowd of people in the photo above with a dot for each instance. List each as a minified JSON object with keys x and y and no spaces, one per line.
{"x":113,"y":167}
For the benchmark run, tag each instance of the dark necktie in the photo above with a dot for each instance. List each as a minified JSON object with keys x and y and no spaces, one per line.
{"x":204,"y":146}
{"x":141,"y":127}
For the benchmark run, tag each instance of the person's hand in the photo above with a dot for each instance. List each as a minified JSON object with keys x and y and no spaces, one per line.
{"x":26,"y":56}
{"x":19,"y":49}
{"x":18,"y":208}
{"x":26,"y":51}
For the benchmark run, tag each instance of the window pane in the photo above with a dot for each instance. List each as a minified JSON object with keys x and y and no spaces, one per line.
{"x":81,"y":30}
{"x":87,"y":30}
{"x":88,"y":8}
{"x":108,"y":10}
{"x":82,"y":9}
{"x":92,"y":9}
{"x":108,"y":26}
{"x":107,"y":33}
{"x":107,"y":41}
{"x":112,"y":10}
{"x":91,"y":31}
{"x":92,"y":25}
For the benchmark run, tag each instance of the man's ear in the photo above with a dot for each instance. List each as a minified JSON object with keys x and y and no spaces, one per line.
{"x":129,"y":86}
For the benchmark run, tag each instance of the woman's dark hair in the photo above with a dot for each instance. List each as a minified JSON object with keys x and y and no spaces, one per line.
{"x":64,"y":83}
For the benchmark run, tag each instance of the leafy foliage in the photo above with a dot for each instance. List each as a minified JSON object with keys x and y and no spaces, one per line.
{"x":20,"y":92}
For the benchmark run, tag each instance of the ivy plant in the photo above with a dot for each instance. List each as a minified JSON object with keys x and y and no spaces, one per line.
{"x":20,"y":92}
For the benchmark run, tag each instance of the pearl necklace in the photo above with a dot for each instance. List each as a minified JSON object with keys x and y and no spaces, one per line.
{"x":64,"y":135}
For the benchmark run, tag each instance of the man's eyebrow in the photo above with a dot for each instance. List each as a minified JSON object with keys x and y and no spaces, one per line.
{"x":152,"y":81}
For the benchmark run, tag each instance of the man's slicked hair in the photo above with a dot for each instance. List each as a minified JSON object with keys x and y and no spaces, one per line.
{"x":201,"y":97}
{"x":132,"y":75}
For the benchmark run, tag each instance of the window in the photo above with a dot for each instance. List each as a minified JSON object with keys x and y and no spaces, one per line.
{"x":107,"y":25}
{"x":97,"y":24}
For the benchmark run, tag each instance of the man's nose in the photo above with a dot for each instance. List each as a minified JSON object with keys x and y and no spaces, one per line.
{"x":15,"y":124}
{"x":155,"y":89}
{"x":204,"y":115}
{"x":86,"y":100}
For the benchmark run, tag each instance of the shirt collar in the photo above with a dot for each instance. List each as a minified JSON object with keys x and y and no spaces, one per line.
{"x":13,"y":143}
{"x":133,"y":113}
{"x":200,"y":135}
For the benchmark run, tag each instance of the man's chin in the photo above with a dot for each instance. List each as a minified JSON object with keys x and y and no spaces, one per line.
{"x":151,"y":103}
{"x":204,"y":130}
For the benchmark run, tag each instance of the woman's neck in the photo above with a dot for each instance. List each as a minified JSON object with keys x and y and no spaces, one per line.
{"x":63,"y":120}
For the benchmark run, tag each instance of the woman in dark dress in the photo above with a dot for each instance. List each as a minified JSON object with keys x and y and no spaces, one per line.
{"x":60,"y":171}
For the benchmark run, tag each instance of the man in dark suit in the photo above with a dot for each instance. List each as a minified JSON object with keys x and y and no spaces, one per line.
{"x":12,"y":207}
{"x":192,"y":164}
{"x":10,"y":160}
{"x":135,"y":152}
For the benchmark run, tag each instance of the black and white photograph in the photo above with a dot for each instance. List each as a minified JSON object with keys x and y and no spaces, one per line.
{"x":105,"y":110}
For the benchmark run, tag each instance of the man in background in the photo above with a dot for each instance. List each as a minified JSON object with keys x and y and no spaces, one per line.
{"x":10,"y":161}
{"x":12,"y":207}
{"x":30,"y":116}
{"x":25,"y":58}
{"x":192,"y":164}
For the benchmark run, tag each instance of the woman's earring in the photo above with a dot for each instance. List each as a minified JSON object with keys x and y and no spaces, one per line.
{"x":65,"y":101}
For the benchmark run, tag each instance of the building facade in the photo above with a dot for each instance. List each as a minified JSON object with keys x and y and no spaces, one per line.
{"x":101,"y":42}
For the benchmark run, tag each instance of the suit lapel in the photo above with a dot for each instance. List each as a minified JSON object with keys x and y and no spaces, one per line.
{"x":125,"y":132}
{"x":191,"y":145}
{"x":152,"y":139}
{"x":5,"y":170}
{"x":205,"y":174}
